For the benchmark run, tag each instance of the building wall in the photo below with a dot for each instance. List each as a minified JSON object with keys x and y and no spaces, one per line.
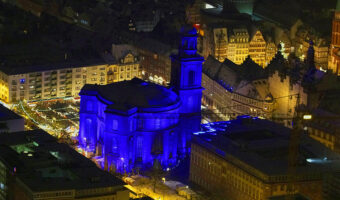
{"x":241,"y":41}
{"x":221,"y":43}
{"x":228,"y":105}
{"x":155,"y":67}
{"x":323,"y":137}
{"x":286,"y":96}
{"x":271,"y":51}
{"x":4,"y":91}
{"x":334,"y":61}
{"x":60,"y":83}
{"x":321,"y":51}
{"x":193,"y":15}
{"x":208,"y":44}
{"x":220,"y":173}
{"x":231,"y":50}
{"x":257,"y":49}
{"x":95,"y":193}
{"x":334,"y":58}
{"x":126,"y":69}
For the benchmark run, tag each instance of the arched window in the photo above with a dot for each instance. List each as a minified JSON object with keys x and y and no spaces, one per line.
{"x":88,"y":128}
{"x":157,"y":144}
{"x":139,"y":149}
{"x":191,"y":80}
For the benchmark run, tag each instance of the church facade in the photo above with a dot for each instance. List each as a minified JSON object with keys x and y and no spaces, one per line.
{"x":133,"y":124}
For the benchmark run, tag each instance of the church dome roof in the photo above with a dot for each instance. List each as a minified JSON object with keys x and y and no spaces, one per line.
{"x":134,"y":93}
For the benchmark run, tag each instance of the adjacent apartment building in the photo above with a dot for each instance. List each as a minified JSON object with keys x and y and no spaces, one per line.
{"x":66,"y":78}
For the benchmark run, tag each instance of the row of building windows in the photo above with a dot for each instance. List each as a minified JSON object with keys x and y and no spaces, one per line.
{"x":228,"y":175}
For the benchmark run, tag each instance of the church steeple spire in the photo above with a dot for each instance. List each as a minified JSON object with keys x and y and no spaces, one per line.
{"x":188,"y":45}
{"x":186,"y":79}
{"x":186,"y":72}
{"x":186,"y":66}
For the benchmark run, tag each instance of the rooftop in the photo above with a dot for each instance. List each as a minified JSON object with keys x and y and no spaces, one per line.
{"x":263,"y":145}
{"x":43,"y":164}
{"x":7,"y":114}
{"x":153,"y":46}
{"x":235,"y":77}
{"x":39,"y":56}
{"x":125,"y":95}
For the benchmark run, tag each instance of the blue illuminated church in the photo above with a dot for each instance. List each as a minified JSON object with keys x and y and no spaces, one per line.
{"x":133,"y":124}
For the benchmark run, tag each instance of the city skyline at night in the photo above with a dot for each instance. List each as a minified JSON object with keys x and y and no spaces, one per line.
{"x":169,"y":99}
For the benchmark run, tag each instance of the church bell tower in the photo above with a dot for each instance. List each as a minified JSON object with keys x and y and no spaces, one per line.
{"x":186,"y":72}
{"x":186,"y":79}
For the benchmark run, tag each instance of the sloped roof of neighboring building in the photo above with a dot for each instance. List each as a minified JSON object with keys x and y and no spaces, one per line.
{"x":251,"y":70}
{"x":231,"y":74}
{"x":134,"y":93}
{"x":121,"y":50}
{"x":221,"y":72}
{"x":154,"y":46}
{"x":43,"y":164}
{"x":211,"y":66}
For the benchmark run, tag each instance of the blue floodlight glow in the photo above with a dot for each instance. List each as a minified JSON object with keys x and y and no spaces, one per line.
{"x":134,"y":136}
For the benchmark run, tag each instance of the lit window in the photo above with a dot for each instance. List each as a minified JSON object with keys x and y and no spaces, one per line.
{"x":22,"y":81}
{"x":191,"y":77}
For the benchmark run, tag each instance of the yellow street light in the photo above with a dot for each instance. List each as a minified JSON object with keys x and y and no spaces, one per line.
{"x":307,"y":117}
